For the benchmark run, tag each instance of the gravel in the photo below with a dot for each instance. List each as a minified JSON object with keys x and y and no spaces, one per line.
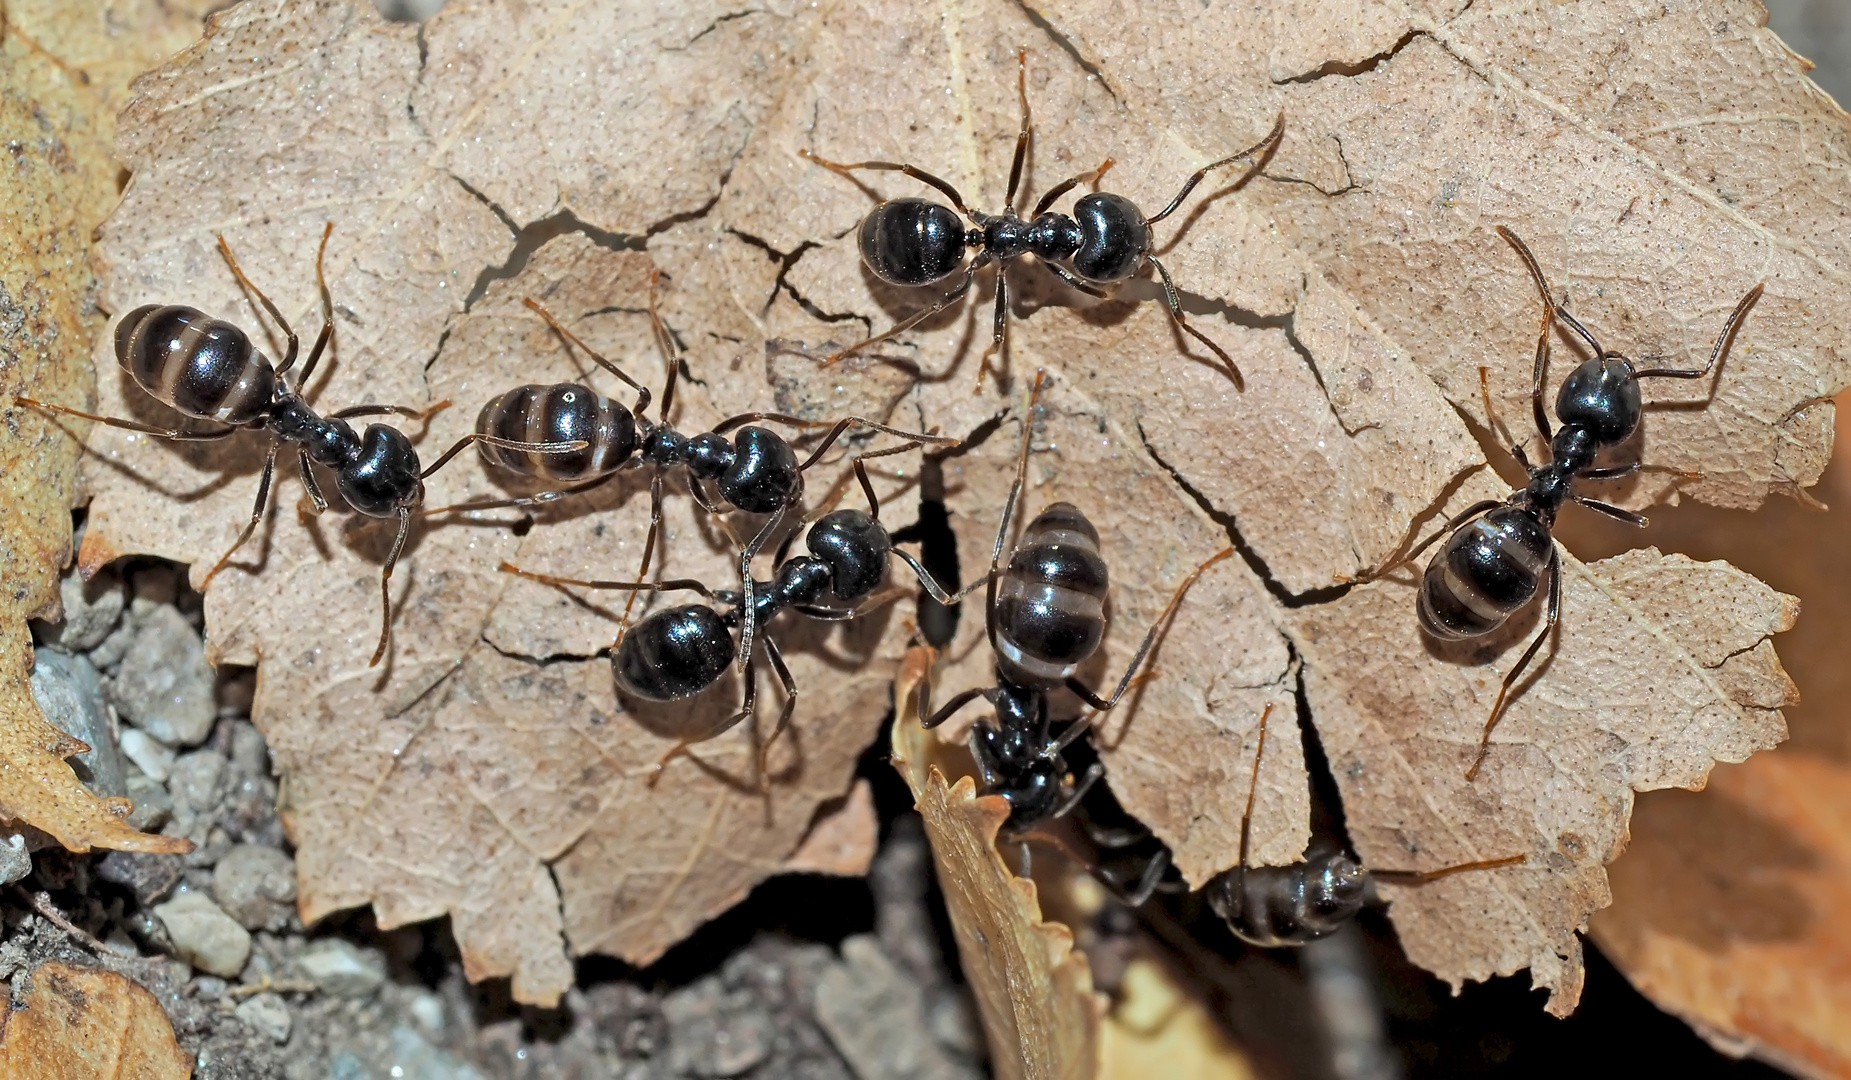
{"x":163,"y":684}
{"x":256,"y":885}
{"x":69,"y":692}
{"x":204,"y":935}
{"x":342,"y":968}
{"x":254,"y":995}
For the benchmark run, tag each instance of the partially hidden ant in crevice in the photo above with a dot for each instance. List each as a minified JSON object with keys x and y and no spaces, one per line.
{"x":1044,"y":613}
{"x":678,"y":652}
{"x":208,"y":369}
{"x":913,"y":242}
{"x":1496,"y":553}
{"x":1281,"y":906}
{"x":756,"y":470}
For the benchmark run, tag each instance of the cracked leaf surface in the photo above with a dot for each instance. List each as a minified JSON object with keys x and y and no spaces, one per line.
{"x":1356,"y":279}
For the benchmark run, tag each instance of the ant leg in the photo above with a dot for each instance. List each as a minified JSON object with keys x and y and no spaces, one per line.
{"x":1078,"y":727}
{"x":649,"y":550}
{"x":931,"y":585}
{"x":1067,"y":185}
{"x":672,"y":585}
{"x":1253,"y":790}
{"x":746,"y":708}
{"x":257,"y":514}
{"x":950,"y":707}
{"x":845,"y":168}
{"x":1497,"y":424}
{"x":748,"y":622}
{"x":1176,"y":313}
{"x":1612,"y":511}
{"x":390,"y":410}
{"x":1542,"y":338}
{"x":1549,"y":621}
{"x":1422,"y":877}
{"x":784,"y":715}
{"x":1080,"y":788}
{"x":540,"y":498}
{"x":1272,"y":138}
{"x":1021,"y":139}
{"x":327,"y":313}
{"x":564,"y":447}
{"x":1149,"y":880}
{"x":911,"y":321}
{"x":1447,"y":529}
{"x":309,"y":486}
{"x":385,"y":587}
{"x":999,"y":331}
{"x":642,"y":392}
{"x":1077,"y":283}
{"x":289,"y":356}
{"x":171,"y":434}
{"x":1613,"y":473}
{"x":1722,"y":342}
{"x":835,"y":431}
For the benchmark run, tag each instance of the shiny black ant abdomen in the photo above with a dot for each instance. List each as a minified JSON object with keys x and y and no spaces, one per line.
{"x":913,"y":242}
{"x":1045,"y":616}
{"x":208,"y":369}
{"x":1497,"y":553}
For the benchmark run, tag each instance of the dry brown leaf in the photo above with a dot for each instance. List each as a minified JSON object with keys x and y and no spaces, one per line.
{"x":1730,"y":907}
{"x":64,"y":70}
{"x":842,"y":840}
{"x":1361,"y":287}
{"x":75,"y":1023}
{"x":1034,"y":990}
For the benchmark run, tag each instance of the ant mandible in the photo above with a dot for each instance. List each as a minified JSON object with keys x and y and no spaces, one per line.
{"x":1496,"y":553}
{"x":914,"y":242}
{"x":207,"y":369}
{"x":1045,"y":615}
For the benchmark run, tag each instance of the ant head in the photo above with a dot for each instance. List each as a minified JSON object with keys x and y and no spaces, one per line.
{"x":1033,"y":795}
{"x":383,"y":479}
{"x":1115,"y":240}
{"x":912,"y":242}
{"x":762,"y":475}
{"x":856,"y":549}
{"x":1601,"y":395}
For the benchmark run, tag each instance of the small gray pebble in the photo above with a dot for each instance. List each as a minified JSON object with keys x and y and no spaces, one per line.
{"x":341,"y":968}
{"x":164,"y":685}
{"x":15,"y":860}
{"x":92,"y":609}
{"x":268,"y":1014}
{"x":155,"y":760}
{"x":204,"y":935}
{"x":148,"y":875}
{"x":70,"y":694}
{"x":197,"y":781}
{"x":249,"y":753}
{"x":413,"y":1058}
{"x":871,"y":1010}
{"x":114,"y":647}
{"x":256,"y":885}
{"x":347,"y":1065}
{"x":716,"y":1034}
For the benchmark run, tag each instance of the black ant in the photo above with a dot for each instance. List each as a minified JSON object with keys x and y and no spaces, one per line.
{"x":1497,"y":552}
{"x":207,"y":369}
{"x":679,"y":652}
{"x":1045,"y":615}
{"x":756,"y":470}
{"x":914,"y":242}
{"x":1279,"y":906}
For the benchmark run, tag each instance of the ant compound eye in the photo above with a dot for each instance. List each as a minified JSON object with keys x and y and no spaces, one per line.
{"x":1114,"y":238}
{"x":912,"y":242}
